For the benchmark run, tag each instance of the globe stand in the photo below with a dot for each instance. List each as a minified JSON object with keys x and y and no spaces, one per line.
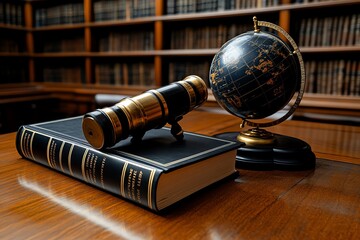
{"x":256,"y":136}
{"x":262,"y":149}
{"x":285,"y":153}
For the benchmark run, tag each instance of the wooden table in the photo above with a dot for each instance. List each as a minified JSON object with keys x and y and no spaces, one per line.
{"x":324,"y":203}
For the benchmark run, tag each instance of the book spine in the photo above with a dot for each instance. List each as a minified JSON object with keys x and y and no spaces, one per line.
{"x":133,"y":181}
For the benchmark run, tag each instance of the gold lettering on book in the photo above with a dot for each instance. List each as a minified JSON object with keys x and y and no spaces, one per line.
{"x":51,"y":149}
{"x":88,"y":166}
{"x":133,"y":183}
{"x":93,"y":168}
{"x":102,"y":172}
{"x":26,"y":144}
{"x":138,"y":186}
{"x":128,"y":189}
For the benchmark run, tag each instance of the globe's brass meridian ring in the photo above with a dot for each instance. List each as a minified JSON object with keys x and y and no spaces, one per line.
{"x":302,"y":72}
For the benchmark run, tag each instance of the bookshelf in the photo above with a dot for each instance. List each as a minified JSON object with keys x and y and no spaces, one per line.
{"x":83,"y":47}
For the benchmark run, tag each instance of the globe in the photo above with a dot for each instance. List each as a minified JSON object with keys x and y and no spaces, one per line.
{"x":254,"y":75}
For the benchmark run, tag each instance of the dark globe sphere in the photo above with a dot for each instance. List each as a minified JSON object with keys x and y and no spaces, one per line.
{"x":254,"y":75}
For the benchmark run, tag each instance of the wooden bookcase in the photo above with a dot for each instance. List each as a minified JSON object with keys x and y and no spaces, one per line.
{"x":86,"y":38}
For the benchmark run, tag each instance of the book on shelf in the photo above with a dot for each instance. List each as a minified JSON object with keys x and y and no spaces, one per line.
{"x":12,"y":71}
{"x":105,"y":10}
{"x":206,"y":36}
{"x":192,"y":6}
{"x":127,"y":41}
{"x":7,"y":44}
{"x":126,"y":74}
{"x":336,"y":77}
{"x":60,"y":14}
{"x":67,"y":74}
{"x":179,"y":70}
{"x":11,"y":13}
{"x":155,"y":173}
{"x":343,"y":30}
{"x":63,"y":44}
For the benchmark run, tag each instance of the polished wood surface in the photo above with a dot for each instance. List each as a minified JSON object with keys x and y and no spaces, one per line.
{"x":324,"y":203}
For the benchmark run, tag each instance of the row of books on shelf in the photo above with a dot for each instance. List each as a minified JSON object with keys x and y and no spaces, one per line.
{"x":192,"y":6}
{"x":205,"y":37}
{"x":61,"y":14}
{"x":330,"y":31}
{"x":179,"y":70}
{"x":9,"y":45}
{"x":11,"y":13}
{"x":64,"y":74}
{"x":12,"y":73}
{"x":68,"y":44}
{"x":127,"y":41}
{"x":337,"y":77}
{"x":142,"y":73}
{"x":125,"y":74}
{"x":310,"y":1}
{"x":123,"y":9}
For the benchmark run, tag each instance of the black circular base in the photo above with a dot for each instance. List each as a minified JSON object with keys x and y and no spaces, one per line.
{"x":288,"y":153}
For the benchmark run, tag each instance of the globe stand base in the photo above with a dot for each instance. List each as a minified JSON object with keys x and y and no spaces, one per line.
{"x":287,"y":153}
{"x":256,"y":136}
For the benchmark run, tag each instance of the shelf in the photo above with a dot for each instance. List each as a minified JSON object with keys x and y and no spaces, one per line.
{"x":122,"y":22}
{"x":14,"y":54}
{"x":13,"y":27}
{"x":321,"y":4}
{"x":330,"y":49}
{"x":330,"y":101}
{"x":188,"y":52}
{"x":60,"y":27}
{"x":254,"y":11}
{"x":145,"y":53}
{"x":90,"y":89}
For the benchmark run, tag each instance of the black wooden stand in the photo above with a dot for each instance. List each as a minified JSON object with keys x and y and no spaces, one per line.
{"x":288,"y":153}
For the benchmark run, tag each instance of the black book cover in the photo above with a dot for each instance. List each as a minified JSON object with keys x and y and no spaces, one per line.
{"x":133,"y":171}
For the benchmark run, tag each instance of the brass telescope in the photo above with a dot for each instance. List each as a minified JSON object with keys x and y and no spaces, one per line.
{"x":152,"y":109}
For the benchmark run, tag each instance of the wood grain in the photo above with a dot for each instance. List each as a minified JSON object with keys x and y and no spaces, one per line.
{"x":324,"y":203}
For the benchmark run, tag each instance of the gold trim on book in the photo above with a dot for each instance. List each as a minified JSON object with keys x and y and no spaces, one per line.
{"x":31,"y":144}
{"x":150,"y":183}
{"x":69,"y":159}
{"x":60,"y":156}
{"x":122,"y":179}
{"x":22,"y":143}
{"x":48,"y":152}
{"x":83,"y":161}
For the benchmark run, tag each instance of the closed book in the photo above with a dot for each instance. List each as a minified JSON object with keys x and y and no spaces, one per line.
{"x":154,"y":173}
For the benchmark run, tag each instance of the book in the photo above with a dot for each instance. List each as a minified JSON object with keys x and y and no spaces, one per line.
{"x":155,"y":173}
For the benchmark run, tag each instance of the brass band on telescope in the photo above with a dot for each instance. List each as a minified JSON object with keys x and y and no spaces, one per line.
{"x":133,"y":116}
{"x":115,"y":121}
